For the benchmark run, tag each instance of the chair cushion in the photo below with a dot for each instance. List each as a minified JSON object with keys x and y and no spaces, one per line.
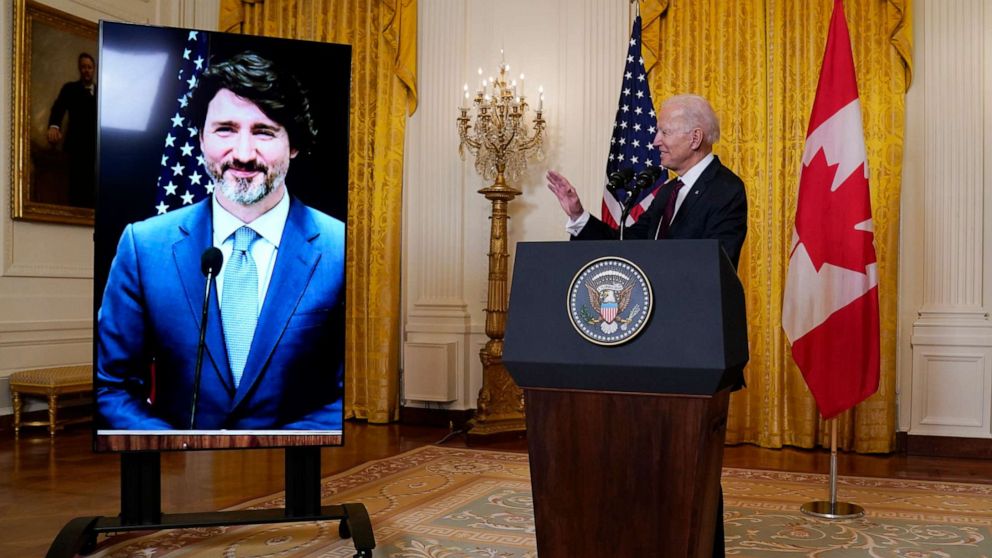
{"x":61,"y":376}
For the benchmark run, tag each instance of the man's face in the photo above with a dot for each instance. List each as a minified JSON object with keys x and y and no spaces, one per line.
{"x":674,"y":140}
{"x":87,"y":69}
{"x":247,"y":154}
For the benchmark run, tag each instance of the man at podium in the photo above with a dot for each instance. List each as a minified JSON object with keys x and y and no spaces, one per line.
{"x":706,"y":200}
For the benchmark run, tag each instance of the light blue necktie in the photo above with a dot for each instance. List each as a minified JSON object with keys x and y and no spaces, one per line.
{"x":239,"y":307}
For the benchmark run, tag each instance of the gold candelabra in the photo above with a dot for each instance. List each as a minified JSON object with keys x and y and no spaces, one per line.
{"x":502,"y":142}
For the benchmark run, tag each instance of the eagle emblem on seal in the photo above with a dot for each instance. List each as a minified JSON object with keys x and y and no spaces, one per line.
{"x":610,"y":298}
{"x":609,"y":301}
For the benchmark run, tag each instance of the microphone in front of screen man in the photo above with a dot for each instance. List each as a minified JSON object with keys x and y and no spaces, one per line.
{"x":210,"y":264}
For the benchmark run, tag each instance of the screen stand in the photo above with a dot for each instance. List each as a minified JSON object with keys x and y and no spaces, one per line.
{"x":141,"y":507}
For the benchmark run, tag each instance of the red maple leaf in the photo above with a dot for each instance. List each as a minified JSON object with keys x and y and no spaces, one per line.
{"x":825,"y":220}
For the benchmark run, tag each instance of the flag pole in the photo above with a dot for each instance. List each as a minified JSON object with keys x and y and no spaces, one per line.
{"x":833,"y":509}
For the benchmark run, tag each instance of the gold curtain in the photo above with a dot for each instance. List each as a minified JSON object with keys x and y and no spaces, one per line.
{"x":758,"y":62}
{"x":383,"y":37}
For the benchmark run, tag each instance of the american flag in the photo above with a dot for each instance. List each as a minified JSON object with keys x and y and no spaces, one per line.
{"x":633,"y":131}
{"x":183,"y":179}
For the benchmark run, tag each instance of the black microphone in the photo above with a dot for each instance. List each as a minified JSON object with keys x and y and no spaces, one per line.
{"x":210,"y":263}
{"x":617,"y":180}
{"x":647,"y":177}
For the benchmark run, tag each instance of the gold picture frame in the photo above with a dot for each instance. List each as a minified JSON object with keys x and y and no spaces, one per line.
{"x":47,"y":44}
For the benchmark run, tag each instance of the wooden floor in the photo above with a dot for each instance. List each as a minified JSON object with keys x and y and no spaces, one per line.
{"x":44,"y":484}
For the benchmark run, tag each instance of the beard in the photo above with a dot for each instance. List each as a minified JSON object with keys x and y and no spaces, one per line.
{"x":247,"y":191}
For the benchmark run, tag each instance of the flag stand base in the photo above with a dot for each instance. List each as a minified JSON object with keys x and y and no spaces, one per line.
{"x":832,"y":510}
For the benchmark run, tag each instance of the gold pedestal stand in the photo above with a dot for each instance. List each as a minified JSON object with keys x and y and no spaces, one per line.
{"x":500,"y":408}
{"x":501,"y":142}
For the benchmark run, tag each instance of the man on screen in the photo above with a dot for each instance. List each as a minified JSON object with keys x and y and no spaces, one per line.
{"x":273,"y":355}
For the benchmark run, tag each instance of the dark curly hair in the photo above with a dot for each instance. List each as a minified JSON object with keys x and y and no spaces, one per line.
{"x":278,"y":94}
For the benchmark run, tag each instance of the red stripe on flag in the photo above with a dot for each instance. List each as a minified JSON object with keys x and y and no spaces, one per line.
{"x":835,"y":355}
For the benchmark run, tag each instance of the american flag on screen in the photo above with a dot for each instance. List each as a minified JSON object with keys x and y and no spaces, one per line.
{"x":633,"y":131}
{"x":183,"y":178}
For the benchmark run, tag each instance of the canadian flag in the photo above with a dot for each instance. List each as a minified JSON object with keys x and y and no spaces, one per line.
{"x":830,"y":310}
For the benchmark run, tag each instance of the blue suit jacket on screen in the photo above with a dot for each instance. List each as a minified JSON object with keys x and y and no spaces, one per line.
{"x":151,"y":314}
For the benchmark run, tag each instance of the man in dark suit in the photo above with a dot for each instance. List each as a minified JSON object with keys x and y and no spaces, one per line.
{"x":78,"y":100}
{"x":274,"y":341}
{"x":704,"y":200}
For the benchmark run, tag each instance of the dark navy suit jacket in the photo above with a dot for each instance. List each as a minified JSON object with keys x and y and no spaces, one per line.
{"x":151,"y":312}
{"x":716,"y":208}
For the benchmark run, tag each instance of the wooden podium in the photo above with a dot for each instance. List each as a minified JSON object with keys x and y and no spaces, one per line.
{"x":626,"y":442}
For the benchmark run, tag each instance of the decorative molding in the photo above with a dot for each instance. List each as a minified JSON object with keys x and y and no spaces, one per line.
{"x":47,"y":270}
{"x":951,"y":391}
{"x":429,"y":373}
{"x":434,"y":172}
{"x":953,"y":209}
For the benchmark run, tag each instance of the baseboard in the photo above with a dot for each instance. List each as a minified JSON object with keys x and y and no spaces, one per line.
{"x":454,"y":419}
{"x":947,"y":446}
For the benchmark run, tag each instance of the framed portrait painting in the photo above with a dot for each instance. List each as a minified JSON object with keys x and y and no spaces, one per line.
{"x":54,"y":116}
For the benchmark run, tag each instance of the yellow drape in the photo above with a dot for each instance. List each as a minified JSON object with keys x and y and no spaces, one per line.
{"x":383,"y":36}
{"x":758,"y":63}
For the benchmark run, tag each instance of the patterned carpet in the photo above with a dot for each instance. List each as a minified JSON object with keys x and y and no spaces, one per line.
{"x":437,"y":502}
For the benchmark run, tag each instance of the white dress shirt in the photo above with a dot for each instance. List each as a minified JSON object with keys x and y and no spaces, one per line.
{"x":264,"y":250}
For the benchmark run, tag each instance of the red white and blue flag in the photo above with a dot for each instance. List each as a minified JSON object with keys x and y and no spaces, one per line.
{"x":633,"y":131}
{"x":830,"y":308}
{"x":183,"y":179}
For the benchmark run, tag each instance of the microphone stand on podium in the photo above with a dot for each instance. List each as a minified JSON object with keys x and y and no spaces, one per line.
{"x":621,"y":181}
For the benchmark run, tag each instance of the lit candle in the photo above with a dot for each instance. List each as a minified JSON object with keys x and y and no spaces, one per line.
{"x":521,"y":85}
{"x":465,"y":99}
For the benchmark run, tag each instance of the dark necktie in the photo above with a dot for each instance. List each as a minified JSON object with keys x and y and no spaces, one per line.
{"x":666,"y":217}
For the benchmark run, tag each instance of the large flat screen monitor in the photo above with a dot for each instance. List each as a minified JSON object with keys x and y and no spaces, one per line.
{"x":220,"y":240}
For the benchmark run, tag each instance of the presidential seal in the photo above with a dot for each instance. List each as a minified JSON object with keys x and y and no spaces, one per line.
{"x":609,"y":301}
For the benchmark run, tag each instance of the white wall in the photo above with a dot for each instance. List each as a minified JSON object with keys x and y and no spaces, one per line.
{"x":46,"y":270}
{"x":945,"y":340}
{"x":575,"y":49}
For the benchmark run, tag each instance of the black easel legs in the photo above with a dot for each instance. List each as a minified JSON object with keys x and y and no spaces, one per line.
{"x":141,"y":507}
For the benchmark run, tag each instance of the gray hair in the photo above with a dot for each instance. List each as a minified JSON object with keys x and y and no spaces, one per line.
{"x":696,"y":112}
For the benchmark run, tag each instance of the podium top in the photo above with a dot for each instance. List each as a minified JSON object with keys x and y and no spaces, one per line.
{"x":694,"y":342}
